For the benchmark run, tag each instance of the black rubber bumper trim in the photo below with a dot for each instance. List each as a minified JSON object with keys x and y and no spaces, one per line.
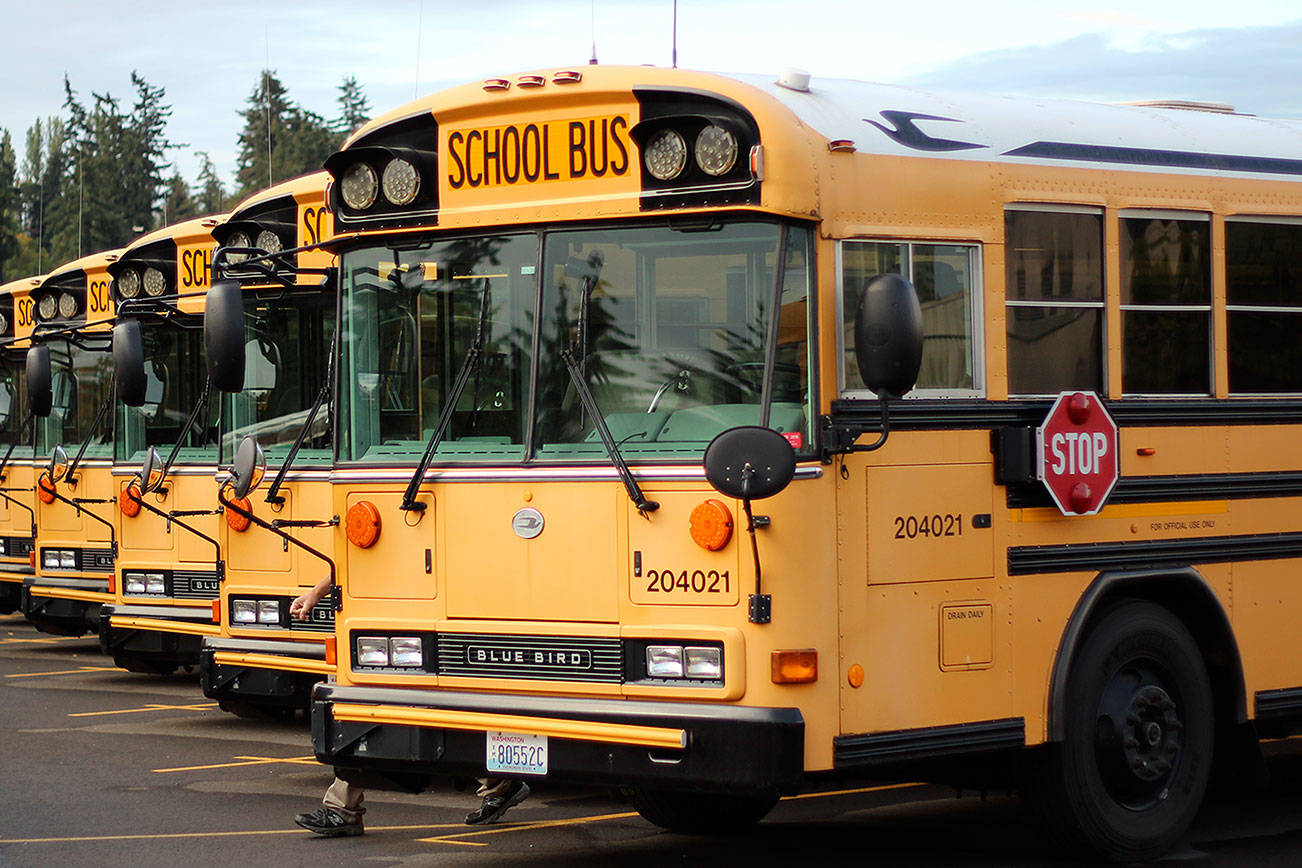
{"x":257,"y":684}
{"x":155,"y":646}
{"x":730,"y":749}
{"x":914,"y":745}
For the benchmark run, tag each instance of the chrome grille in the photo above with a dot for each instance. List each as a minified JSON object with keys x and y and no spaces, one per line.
{"x":544,"y":658}
{"x":321,"y":619}
{"x":194,"y":585}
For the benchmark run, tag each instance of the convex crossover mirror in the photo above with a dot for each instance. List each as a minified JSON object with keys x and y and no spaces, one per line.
{"x":749,"y":462}
{"x":223,"y":336}
{"x":129,"y":363}
{"x":249,"y":468}
{"x":888,"y":335}
{"x":40,"y":394}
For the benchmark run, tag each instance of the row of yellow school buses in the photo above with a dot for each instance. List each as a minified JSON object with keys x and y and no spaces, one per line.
{"x":503,"y":387}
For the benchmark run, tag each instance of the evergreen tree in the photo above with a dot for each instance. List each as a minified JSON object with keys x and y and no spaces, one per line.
{"x":10,"y":206}
{"x":297,"y":140}
{"x":177,"y":204}
{"x":354,"y":109}
{"x":41,"y":188}
{"x":211,"y":194}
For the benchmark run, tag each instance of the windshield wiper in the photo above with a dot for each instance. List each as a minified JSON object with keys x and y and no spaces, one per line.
{"x":327,"y":386}
{"x":589,"y":402}
{"x":469,"y":365}
{"x":71,"y":475}
{"x":201,"y":406}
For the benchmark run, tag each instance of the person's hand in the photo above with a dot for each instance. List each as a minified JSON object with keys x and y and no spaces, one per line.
{"x":302,"y":605}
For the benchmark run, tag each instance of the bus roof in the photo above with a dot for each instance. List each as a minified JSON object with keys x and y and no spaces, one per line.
{"x":198,"y":228}
{"x":94,"y":260}
{"x":903,"y":121}
{"x":298,"y":187}
{"x":21,"y":284}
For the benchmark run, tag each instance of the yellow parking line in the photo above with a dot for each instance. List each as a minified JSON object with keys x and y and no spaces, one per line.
{"x":151,"y":707}
{"x":851,"y":792}
{"x":246,"y":761}
{"x":523,"y":827}
{"x":46,"y":640}
{"x":64,"y":671}
{"x":249,"y":833}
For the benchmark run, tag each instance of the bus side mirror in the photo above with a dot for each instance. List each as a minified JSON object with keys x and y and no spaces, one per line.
{"x":151,"y":471}
{"x":749,"y":462}
{"x":40,"y":394}
{"x":888,"y":335}
{"x":58,"y":464}
{"x":129,"y":362}
{"x":249,"y":467}
{"x":223,"y":335}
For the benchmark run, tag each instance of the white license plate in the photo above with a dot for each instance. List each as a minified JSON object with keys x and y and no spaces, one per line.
{"x":516,"y":754}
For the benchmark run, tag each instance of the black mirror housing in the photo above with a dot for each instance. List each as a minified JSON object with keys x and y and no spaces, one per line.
{"x":223,"y":335}
{"x":40,"y":394}
{"x":249,"y":467}
{"x":749,"y":462}
{"x":888,"y":335}
{"x":129,"y":362}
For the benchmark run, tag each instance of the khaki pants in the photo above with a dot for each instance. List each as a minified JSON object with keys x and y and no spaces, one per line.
{"x":347,"y":798}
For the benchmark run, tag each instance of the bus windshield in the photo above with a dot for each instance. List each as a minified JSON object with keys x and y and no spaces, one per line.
{"x":174,"y":376}
{"x":667,"y":326}
{"x":80,"y":381}
{"x":13,"y":398}
{"x":286,"y":350}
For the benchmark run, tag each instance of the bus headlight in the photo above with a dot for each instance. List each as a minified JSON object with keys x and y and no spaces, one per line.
{"x":269,"y":241}
{"x":372,"y":651}
{"x":406,"y":651}
{"x":67,"y":305}
{"x":128,"y":283}
{"x":133,"y":583}
{"x":359,"y":186}
{"x":48,"y":306}
{"x":401,"y":182}
{"x":67,"y":560}
{"x":716,"y":150}
{"x":664,"y":661}
{"x":704,"y":664}
{"x":154,"y":583}
{"x":665,"y":155}
{"x":268,"y":611}
{"x":238,"y":239}
{"x":244,"y":611}
{"x":155,"y":283}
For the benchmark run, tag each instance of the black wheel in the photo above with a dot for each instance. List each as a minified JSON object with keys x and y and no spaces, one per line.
{"x":701,"y":814}
{"x":1130,"y":774}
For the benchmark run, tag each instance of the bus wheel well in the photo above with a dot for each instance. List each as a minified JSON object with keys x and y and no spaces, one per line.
{"x":1186,"y":594}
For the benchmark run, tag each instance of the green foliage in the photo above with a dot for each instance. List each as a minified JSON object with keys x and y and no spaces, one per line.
{"x":280,"y":139}
{"x":354,"y":108}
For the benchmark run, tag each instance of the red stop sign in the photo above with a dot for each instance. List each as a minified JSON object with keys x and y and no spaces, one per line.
{"x":1076,"y":453}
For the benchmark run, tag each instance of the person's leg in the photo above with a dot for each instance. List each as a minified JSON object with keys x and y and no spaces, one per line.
{"x":499,"y":795}
{"x":340,"y":812}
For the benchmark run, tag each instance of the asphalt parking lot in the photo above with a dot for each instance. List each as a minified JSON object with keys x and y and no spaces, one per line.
{"x":105,"y":767}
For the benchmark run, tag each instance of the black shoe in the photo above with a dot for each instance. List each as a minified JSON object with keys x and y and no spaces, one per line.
{"x":495,"y":806}
{"x":329,"y":823}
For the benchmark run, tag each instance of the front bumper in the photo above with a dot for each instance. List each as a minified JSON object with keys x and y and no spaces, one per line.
{"x":66,"y":607}
{"x":262,"y":671}
{"x":170,"y":635}
{"x":11,"y":596}
{"x":388,"y":738}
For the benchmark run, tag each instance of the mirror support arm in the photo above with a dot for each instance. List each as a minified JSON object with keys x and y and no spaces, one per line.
{"x":77,"y":505}
{"x":20,"y":504}
{"x":771,"y":340}
{"x":327,"y":386}
{"x":171,"y":517}
{"x":199,"y":406}
{"x":274,"y":528}
{"x":838,"y":438}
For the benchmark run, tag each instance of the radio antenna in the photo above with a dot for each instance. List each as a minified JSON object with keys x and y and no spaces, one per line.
{"x":420,"y":25}
{"x":266,"y":93}
{"x":592,"y":61}
{"x":675,"y":34}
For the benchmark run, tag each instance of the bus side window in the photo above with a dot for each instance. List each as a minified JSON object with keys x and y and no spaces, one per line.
{"x":1166,"y":303}
{"x":1263,"y":261}
{"x":1053,"y":291}
{"x":945,"y":276}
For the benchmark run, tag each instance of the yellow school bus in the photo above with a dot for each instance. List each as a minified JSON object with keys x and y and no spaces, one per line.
{"x":265,"y":662}
{"x":169,"y":560}
{"x":69,"y":373}
{"x":729,"y":437}
{"x":17,"y":514}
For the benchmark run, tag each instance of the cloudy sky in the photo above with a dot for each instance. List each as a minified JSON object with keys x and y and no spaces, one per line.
{"x":208,"y":55}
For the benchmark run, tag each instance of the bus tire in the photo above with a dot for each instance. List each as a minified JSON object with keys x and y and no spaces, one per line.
{"x":701,"y":813}
{"x":1131,"y":771}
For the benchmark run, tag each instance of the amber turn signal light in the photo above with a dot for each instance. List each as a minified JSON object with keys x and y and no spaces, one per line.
{"x":711,"y":524}
{"x":45,"y":488}
{"x":331,"y":651}
{"x":798,"y":666}
{"x":217,"y":611}
{"x":129,"y":502}
{"x":234,"y":520}
{"x":362,"y":524}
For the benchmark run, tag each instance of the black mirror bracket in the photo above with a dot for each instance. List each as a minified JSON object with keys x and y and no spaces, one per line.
{"x":839,"y":437}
